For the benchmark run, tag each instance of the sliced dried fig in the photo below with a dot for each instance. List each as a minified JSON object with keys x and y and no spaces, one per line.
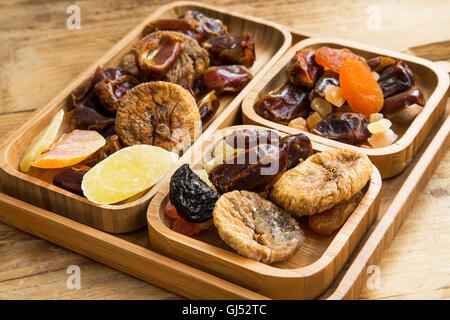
{"x":256,"y":228}
{"x":322,"y":181}
{"x":158,"y":113}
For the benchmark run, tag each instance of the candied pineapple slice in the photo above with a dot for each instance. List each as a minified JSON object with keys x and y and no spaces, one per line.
{"x":379,"y":126}
{"x":42,"y":141}
{"x":127,"y":172}
{"x":375,"y":117}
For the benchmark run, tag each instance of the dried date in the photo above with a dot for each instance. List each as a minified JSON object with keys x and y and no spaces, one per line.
{"x":397,"y":103}
{"x":189,"y":27}
{"x":298,"y":148}
{"x":212,"y":27}
{"x":395,"y":79}
{"x":378,"y":64}
{"x":303,"y":70}
{"x":249,"y":138}
{"x":208,"y":105}
{"x":228,"y":79}
{"x":328,"y":78}
{"x":70,"y":179}
{"x":85,"y":118}
{"x":230,"y":49}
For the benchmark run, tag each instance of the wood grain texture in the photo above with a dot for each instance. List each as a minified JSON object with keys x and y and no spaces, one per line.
{"x":36,"y":45}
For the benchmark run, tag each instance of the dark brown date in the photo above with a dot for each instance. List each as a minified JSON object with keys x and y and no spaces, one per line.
{"x":70,"y":179}
{"x":231,"y":49}
{"x":378,"y":64}
{"x":347,"y":127}
{"x":112,"y":145}
{"x":249,"y":138}
{"x":85,"y":118}
{"x":212,"y":27}
{"x":395,"y":79}
{"x":255,"y":169}
{"x":155,"y":56}
{"x":398,"y":102}
{"x":226,"y":79}
{"x":111,"y":85}
{"x":298,"y":148}
{"x":328,"y":78}
{"x":303,"y":69}
{"x":189,"y":27}
{"x":284,"y":103}
{"x":208,"y":105}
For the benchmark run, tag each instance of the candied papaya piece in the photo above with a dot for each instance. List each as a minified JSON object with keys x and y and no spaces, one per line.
{"x":360,"y":89}
{"x":333,"y":58}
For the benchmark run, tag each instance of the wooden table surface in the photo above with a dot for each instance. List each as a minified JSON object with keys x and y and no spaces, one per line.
{"x":39,"y":55}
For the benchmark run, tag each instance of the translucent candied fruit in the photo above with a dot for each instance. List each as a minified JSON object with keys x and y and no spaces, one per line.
{"x":379,"y":126}
{"x":333,"y":58}
{"x":321,"y":106}
{"x":298,"y":123}
{"x":211,"y":164}
{"x":382,"y":139}
{"x":334,"y":95}
{"x":223,"y":150}
{"x":313,"y":119}
{"x":375,"y":117}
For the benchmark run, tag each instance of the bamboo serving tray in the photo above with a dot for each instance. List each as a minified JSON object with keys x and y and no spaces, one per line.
{"x":305,"y":275}
{"x":391,"y":160}
{"x":35,"y":187}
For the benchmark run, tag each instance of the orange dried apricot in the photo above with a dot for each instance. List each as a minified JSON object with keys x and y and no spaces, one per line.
{"x":70,"y":149}
{"x":333,"y":58}
{"x":362,"y":92}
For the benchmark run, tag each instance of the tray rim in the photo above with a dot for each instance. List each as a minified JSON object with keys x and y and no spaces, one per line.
{"x":410,"y":134}
{"x":228,"y":259}
{"x":51,"y":106}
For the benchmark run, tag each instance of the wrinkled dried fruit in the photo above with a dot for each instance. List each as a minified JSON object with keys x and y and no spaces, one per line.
{"x":231,"y":49}
{"x":284,"y":103}
{"x":360,"y":89}
{"x":298,"y":148}
{"x":328,"y":78}
{"x":84,"y":118}
{"x":208,"y":105}
{"x":321,"y":181}
{"x":111,"y":85}
{"x":189,"y":27}
{"x":226,"y":79}
{"x":191,"y":196}
{"x":70,"y":149}
{"x":256,"y":228}
{"x":212,"y":27}
{"x":158,"y":113}
{"x":250,"y":138}
{"x":398,"y":102}
{"x":334,"y":95}
{"x":321,"y":106}
{"x":333,"y":58}
{"x":71,"y":178}
{"x":347,"y":127}
{"x":383,"y":139}
{"x":328,"y":221}
{"x":303,"y":69}
{"x":41,"y":142}
{"x":157,"y":55}
{"x":395,"y":79}
{"x":255,"y":169}
{"x":378,"y":64}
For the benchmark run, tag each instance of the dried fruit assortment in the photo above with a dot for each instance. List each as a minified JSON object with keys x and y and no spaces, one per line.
{"x":334,"y":92}
{"x":258,"y":185}
{"x":167,"y":85}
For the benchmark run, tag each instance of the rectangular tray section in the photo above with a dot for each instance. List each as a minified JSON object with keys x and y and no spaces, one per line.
{"x":303,"y":276}
{"x":391,"y":160}
{"x":271,"y":40}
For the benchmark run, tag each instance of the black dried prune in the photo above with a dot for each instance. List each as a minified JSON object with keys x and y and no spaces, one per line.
{"x":192,"y":197}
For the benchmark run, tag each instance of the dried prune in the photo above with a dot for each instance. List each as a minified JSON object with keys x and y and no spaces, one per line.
{"x":192,"y":197}
{"x":111,"y":85}
{"x":208,"y":105}
{"x":255,"y":169}
{"x":328,"y":221}
{"x":284,"y":103}
{"x":328,"y":78}
{"x":249,"y":138}
{"x":321,"y":181}
{"x":189,"y":27}
{"x":158,"y":113}
{"x":231,"y":49}
{"x":256,"y":228}
{"x":212,"y":27}
{"x":226,"y":79}
{"x":85,"y":118}
{"x":395,"y":79}
{"x":70,"y":179}
{"x":347,"y":127}
{"x":303,"y":69}
{"x":396,"y":103}
{"x":378,"y":64}
{"x":298,"y":147}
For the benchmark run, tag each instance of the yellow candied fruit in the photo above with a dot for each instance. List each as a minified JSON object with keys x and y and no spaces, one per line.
{"x":313,"y":119}
{"x":298,"y":123}
{"x":321,"y":106}
{"x":204,"y":176}
{"x":375,"y":117}
{"x":334,"y":95}
{"x":223,"y":150}
{"x":379,"y":126}
{"x":382,"y":139}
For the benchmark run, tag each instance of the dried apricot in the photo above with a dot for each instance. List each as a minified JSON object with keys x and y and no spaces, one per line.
{"x":362,"y":92}
{"x":70,"y":149}
{"x":333,"y":58}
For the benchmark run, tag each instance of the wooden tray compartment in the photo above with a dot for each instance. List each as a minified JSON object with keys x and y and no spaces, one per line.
{"x":271,"y":41}
{"x":303,"y":276}
{"x":391,"y":160}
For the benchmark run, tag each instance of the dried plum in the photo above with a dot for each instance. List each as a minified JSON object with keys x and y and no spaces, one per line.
{"x":192,"y":197}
